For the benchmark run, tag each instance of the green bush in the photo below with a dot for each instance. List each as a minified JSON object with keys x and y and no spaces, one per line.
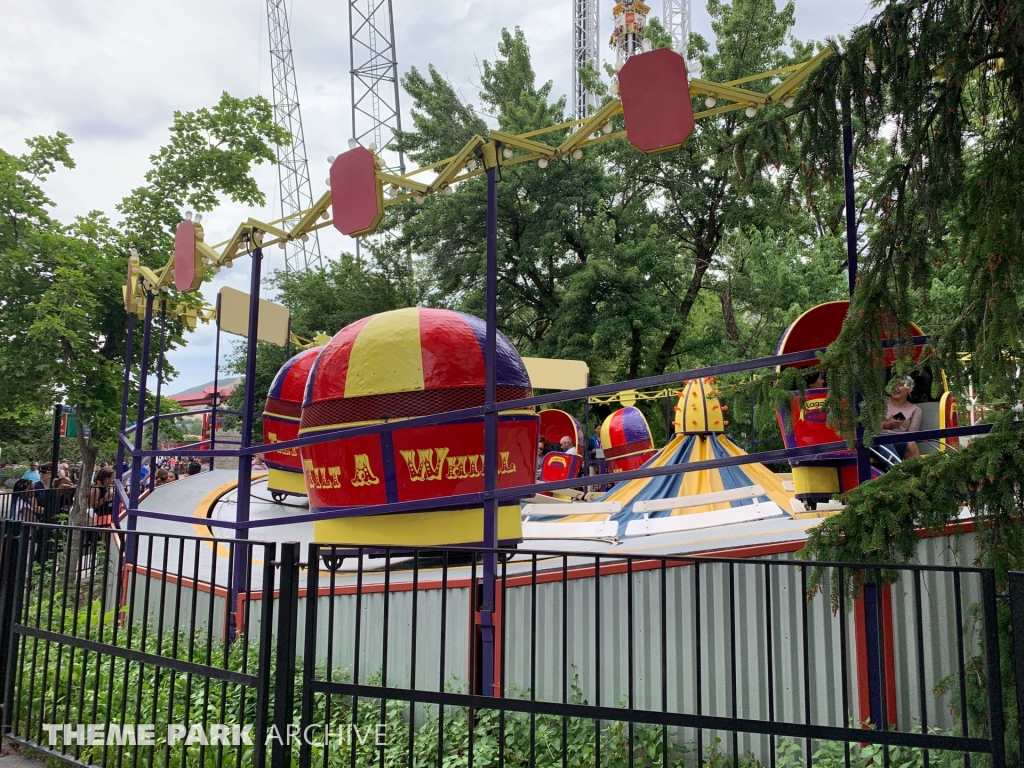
{"x":58,"y":684}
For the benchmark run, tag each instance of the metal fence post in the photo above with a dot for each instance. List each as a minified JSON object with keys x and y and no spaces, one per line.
{"x":284,"y":677}
{"x":992,"y":671}
{"x":15,"y":563}
{"x":263,"y":685}
{"x":8,"y":551}
{"x":1017,"y":624}
{"x":309,"y":653}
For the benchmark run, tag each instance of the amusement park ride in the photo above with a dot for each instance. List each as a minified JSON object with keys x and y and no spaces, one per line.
{"x":419,"y":426}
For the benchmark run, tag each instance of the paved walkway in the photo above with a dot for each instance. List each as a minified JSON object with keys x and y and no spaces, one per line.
{"x":17,"y":761}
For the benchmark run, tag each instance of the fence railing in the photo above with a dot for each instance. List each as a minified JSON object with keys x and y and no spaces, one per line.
{"x":344,"y":656}
{"x":45,"y":506}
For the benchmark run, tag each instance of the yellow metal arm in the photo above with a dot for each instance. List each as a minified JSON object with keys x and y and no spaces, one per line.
{"x":525,"y":147}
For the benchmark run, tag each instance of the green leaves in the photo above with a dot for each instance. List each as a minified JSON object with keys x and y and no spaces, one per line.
{"x":62,"y":313}
{"x":946,"y":237}
{"x":209,"y":156}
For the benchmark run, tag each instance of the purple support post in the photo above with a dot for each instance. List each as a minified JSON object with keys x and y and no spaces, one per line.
{"x":851,"y":211}
{"x":216,"y":388}
{"x":133,"y":494}
{"x":863,"y":456}
{"x":119,"y":460}
{"x":490,"y":441}
{"x":244,"y":460}
{"x":159,"y":387}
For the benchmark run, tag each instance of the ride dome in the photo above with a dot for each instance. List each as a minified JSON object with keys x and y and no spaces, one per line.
{"x":281,"y":417}
{"x":626,"y":440}
{"x":699,"y":411}
{"x":399,"y":365}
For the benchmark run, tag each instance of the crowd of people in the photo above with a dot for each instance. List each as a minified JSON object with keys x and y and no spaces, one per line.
{"x":39,"y":496}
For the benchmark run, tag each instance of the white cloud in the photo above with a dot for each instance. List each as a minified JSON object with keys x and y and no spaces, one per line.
{"x":110,"y":73}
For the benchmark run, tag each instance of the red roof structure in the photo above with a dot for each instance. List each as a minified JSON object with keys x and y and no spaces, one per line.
{"x":202,"y":397}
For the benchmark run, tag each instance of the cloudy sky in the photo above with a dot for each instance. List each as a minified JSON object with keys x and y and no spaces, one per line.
{"x":110,"y":73}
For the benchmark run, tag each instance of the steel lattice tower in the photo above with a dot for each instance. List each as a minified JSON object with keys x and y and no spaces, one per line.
{"x":376,"y":114}
{"x":584,"y":52}
{"x":292,"y":169}
{"x":677,"y":17}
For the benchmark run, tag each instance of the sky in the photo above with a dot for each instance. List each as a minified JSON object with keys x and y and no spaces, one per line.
{"x":111,"y":73}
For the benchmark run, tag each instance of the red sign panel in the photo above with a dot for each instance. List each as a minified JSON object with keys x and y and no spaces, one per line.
{"x":357,"y":198}
{"x":188,"y":263}
{"x":656,"y":101}
{"x":278,"y":431}
{"x":422,"y":463}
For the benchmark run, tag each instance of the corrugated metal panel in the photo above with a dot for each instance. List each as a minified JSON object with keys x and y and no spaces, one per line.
{"x":732,"y":614}
{"x":741,"y":608}
{"x":162,"y":603}
{"x":336,"y":637}
{"x":937,"y":633}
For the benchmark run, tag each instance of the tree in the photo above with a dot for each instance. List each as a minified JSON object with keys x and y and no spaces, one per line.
{"x":944,"y":80}
{"x":612,"y":257}
{"x":63,"y":314}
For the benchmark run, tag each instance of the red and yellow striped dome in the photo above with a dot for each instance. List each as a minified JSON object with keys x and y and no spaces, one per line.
{"x":405,"y":363}
{"x":395,"y":366}
{"x":289,"y":385}
{"x":281,"y":421}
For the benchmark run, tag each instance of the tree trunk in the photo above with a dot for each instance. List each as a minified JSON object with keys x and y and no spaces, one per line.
{"x":80,"y":509}
{"x":729,"y":314}
{"x":704,"y":258}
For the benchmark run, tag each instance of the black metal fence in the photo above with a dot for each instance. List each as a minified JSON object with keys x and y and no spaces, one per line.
{"x":338,"y":656}
{"x":45,"y":506}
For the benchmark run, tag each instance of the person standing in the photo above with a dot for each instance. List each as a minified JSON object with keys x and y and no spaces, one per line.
{"x":23,"y":507}
{"x":101,"y":497}
{"x":44,"y":498}
{"x":595,"y":454}
{"x":32,"y":473}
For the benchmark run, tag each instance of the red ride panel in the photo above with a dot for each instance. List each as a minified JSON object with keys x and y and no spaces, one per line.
{"x":447,"y":460}
{"x":426,"y":463}
{"x":278,"y":431}
{"x":656,"y":103}
{"x":188,"y":267}
{"x":357,"y":198}
{"x":808,"y":423}
{"x":345,"y":473}
{"x":559,"y":466}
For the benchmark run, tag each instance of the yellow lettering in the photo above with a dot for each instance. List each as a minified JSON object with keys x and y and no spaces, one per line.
{"x":505,"y":467}
{"x":364,"y":474}
{"x":433,"y":463}
{"x":272,"y":437}
{"x":335,"y":473}
{"x":456,"y":467}
{"x":425,"y":463}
